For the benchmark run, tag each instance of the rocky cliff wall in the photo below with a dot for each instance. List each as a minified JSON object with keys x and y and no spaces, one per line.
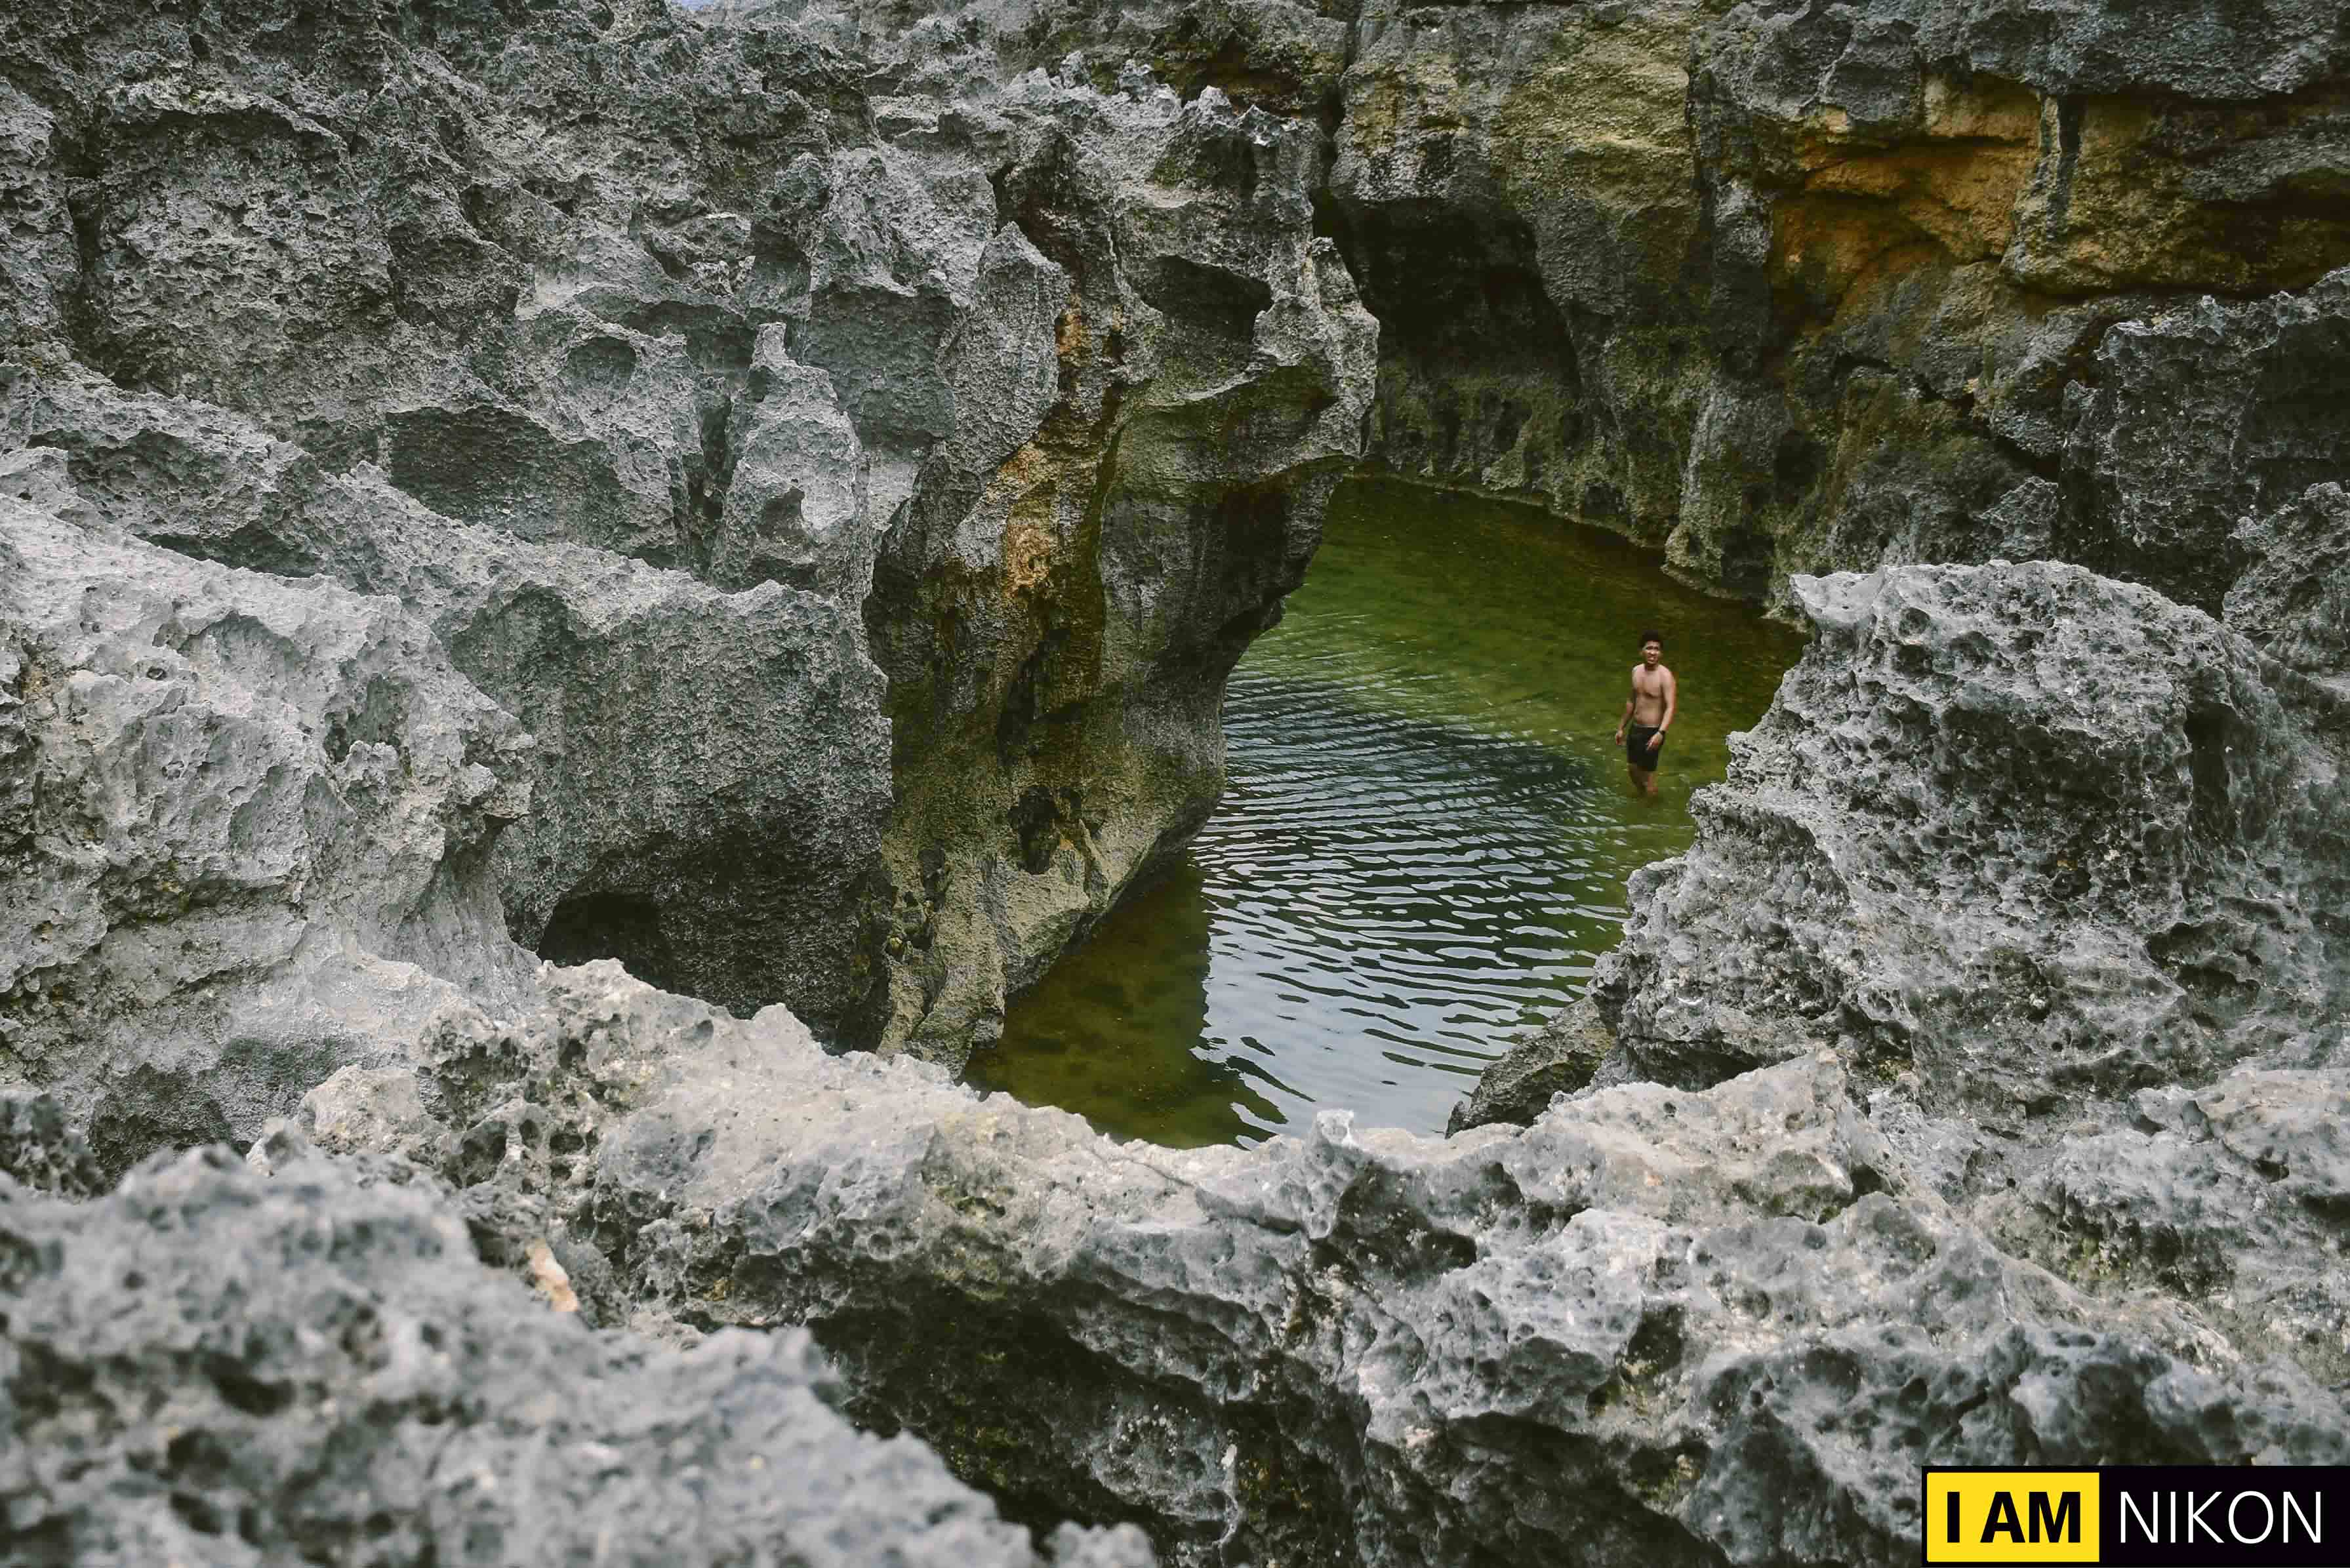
{"x":1791,"y":287}
{"x":857,"y":476}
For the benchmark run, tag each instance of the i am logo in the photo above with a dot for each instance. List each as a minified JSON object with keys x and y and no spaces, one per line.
{"x":2012,"y":1516}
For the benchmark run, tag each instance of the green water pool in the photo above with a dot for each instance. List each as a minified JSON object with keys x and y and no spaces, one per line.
{"x":1423,"y":840}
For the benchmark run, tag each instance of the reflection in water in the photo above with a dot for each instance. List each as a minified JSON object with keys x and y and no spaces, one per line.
{"x":1423,"y":843}
{"x":1124,"y":1036}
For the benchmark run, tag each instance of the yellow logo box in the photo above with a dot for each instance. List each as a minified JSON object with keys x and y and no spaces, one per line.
{"x":2012,"y":1516}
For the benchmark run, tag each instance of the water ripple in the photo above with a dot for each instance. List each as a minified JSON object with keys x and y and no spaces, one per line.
{"x":1422,"y":843}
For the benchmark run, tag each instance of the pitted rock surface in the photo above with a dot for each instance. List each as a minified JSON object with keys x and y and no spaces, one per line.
{"x":43,"y":1148}
{"x":853,"y":445}
{"x":246,"y":824}
{"x":2048,"y":858}
{"x":2040,"y":835}
{"x":1632,"y":1332}
{"x":2205,"y":417}
{"x":664,"y":823}
{"x":215,"y":1365}
{"x":691,"y":375}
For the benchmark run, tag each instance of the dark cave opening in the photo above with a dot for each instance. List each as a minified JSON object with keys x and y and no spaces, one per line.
{"x":1448,"y":290}
{"x":623,"y":926}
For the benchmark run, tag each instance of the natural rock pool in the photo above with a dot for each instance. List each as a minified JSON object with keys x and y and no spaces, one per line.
{"x":1423,"y":846}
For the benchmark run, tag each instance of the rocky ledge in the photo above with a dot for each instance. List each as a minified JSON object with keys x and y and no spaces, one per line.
{"x":1658,"y":1325}
{"x":211,"y":1365}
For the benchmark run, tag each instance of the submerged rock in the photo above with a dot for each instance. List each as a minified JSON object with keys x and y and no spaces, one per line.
{"x":215,"y":1365}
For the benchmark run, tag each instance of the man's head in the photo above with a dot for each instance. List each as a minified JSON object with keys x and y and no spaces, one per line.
{"x":1652,"y":647}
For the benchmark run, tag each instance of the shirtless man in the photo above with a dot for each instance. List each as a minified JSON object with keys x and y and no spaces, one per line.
{"x":1649,"y":713}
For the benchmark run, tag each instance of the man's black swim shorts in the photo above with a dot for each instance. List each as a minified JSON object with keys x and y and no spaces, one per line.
{"x":1640,"y":744}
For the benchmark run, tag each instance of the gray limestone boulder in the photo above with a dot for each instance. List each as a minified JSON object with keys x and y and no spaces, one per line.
{"x":709,"y":770}
{"x":212,"y":1365}
{"x":1558,"y":1058}
{"x":2044,"y":838}
{"x":247,"y":826}
{"x":2045,"y":859}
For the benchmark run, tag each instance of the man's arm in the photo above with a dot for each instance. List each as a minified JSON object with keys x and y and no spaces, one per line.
{"x":1672,"y":702}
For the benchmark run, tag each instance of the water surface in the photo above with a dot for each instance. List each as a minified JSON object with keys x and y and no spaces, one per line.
{"x":1423,"y":841}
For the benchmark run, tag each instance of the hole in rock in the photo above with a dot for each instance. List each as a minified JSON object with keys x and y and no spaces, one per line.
{"x":1206,"y":299}
{"x":2206,"y":760}
{"x":623,"y":926}
{"x":1424,"y":836}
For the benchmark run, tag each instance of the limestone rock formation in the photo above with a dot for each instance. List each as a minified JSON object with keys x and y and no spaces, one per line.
{"x":1561,"y":1056}
{"x":2035,"y":834}
{"x":247,"y":826}
{"x":1788,"y":289}
{"x":1073,"y":580}
{"x":215,"y":1365}
{"x":2203,"y":417}
{"x":773,"y":496}
{"x":43,"y":1148}
{"x":1512,"y":186}
{"x":2049,"y":858}
{"x":1657,"y":1326}
{"x":693,"y":376}
{"x":664,"y":823}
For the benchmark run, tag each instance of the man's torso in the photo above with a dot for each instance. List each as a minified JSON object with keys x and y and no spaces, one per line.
{"x":1647,"y":694}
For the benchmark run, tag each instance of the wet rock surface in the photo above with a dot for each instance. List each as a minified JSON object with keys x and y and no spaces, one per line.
{"x":211,"y":1365}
